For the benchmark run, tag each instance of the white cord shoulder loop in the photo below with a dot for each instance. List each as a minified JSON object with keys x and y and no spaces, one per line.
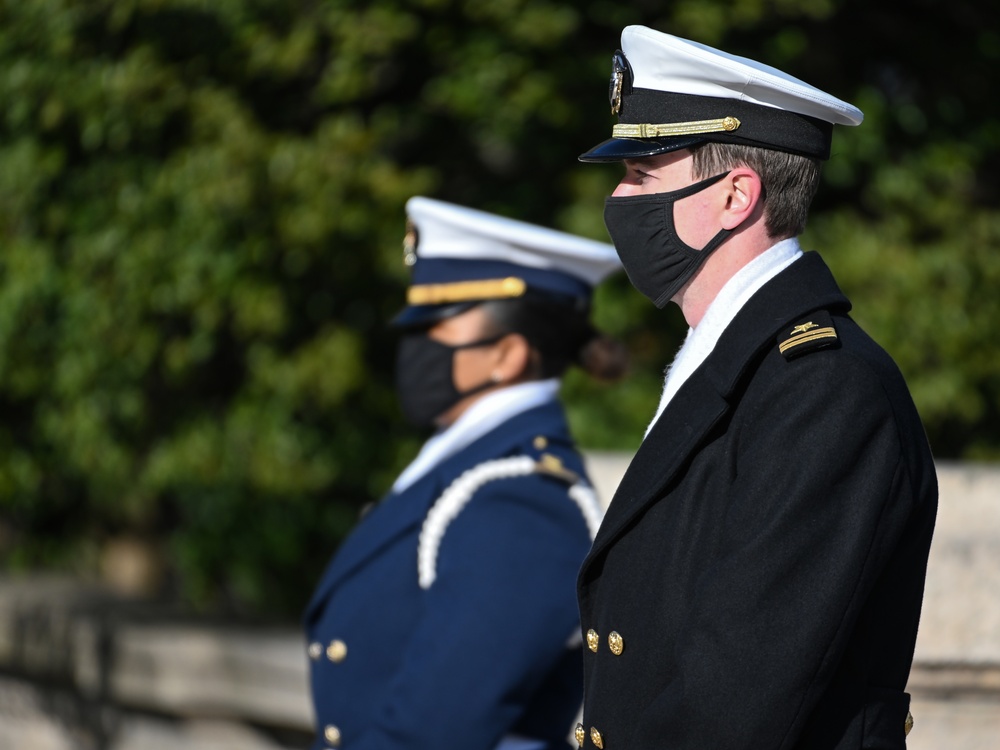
{"x":460,"y":492}
{"x":447,"y":507}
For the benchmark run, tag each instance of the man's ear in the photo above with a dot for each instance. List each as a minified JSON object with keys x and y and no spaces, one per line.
{"x":744,"y":196}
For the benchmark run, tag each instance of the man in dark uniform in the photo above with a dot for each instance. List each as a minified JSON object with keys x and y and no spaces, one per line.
{"x":757,"y":580}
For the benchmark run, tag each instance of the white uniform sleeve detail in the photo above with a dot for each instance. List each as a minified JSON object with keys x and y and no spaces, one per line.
{"x":447,"y":507}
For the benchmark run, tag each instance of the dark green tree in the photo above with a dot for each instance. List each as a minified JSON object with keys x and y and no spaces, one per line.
{"x":201,"y":209}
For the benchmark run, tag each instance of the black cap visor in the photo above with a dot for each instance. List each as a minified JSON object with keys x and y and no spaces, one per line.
{"x":422,"y":316}
{"x":617,"y":149}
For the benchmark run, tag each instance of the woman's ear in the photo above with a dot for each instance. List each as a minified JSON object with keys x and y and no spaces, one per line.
{"x":513,"y":359}
{"x":744,"y":195}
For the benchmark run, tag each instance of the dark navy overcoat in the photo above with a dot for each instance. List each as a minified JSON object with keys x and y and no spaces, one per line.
{"x":490,"y":648}
{"x":756,"y":583}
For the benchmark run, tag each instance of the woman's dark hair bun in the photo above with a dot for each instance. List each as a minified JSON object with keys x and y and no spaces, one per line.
{"x":604,"y":358}
{"x":561,"y":335}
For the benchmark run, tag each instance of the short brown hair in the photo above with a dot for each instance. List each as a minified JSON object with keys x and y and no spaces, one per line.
{"x":790,"y":181}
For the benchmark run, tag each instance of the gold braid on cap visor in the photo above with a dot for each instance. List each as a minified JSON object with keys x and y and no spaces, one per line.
{"x":648,"y":130}
{"x":466,"y":291}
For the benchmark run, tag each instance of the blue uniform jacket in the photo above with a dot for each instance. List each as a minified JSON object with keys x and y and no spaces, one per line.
{"x":486,"y":649}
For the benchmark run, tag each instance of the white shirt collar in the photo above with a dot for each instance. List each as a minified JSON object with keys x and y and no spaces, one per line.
{"x":486,"y":414}
{"x":701,"y":340}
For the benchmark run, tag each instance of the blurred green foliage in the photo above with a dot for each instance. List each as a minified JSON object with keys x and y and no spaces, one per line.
{"x":201,"y":208}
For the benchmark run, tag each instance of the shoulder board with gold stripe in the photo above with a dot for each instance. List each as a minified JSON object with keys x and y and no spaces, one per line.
{"x":553,"y":467}
{"x":808,"y":335}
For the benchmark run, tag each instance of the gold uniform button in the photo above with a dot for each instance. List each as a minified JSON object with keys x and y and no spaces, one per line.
{"x":332,"y":735}
{"x":336,"y":651}
{"x":540,"y":443}
{"x":908,"y":724}
{"x":581,"y":734}
{"x":315,"y":650}
{"x":593,"y":639}
{"x":596,"y":738}
{"x":616,"y":643}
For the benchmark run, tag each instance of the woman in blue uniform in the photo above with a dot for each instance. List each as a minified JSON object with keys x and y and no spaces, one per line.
{"x":448,"y":618}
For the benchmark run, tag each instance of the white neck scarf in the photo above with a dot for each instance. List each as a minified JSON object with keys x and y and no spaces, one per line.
{"x":486,"y":414}
{"x":701,"y":340}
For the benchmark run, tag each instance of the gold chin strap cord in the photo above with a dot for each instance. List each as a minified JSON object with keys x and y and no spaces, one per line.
{"x":697,"y":127}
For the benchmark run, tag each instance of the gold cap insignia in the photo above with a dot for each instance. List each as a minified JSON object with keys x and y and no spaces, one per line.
{"x":410,"y":244}
{"x":621,"y":81}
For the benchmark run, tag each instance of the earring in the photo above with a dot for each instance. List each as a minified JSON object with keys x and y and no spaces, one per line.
{"x":496,"y":377}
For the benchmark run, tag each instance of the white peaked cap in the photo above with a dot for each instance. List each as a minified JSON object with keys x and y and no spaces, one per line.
{"x":449,"y":231}
{"x":672,"y":93}
{"x":668,"y":63}
{"x":460,"y":256}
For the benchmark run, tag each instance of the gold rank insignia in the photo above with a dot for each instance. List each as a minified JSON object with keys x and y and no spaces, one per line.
{"x":817,"y":332}
{"x":410,"y":244}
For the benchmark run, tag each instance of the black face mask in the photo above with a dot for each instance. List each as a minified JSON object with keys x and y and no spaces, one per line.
{"x":656,"y":261}
{"x":424,"y":381}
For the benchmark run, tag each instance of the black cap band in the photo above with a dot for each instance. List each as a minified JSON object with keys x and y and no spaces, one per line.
{"x":759,"y":125}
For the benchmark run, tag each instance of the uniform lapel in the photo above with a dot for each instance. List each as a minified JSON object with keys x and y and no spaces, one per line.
{"x":395,"y":515}
{"x":400,"y":514}
{"x":705,"y":398}
{"x":677,"y":433}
